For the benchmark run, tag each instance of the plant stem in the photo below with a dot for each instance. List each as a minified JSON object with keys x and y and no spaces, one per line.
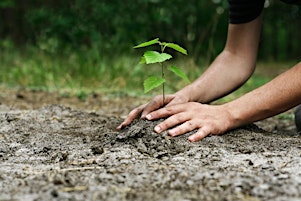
{"x":163,"y":87}
{"x":162,"y":72}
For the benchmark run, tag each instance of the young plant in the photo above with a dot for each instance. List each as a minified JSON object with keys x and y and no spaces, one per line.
{"x":151,"y":57}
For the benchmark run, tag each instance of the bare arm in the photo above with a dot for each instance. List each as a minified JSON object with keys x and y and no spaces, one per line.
{"x":231,"y":68}
{"x":279,"y":95}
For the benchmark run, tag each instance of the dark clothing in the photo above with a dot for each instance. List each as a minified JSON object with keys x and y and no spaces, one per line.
{"x":296,"y":2}
{"x":242,"y":11}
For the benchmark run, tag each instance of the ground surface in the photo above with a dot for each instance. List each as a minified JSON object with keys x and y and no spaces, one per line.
{"x":57,"y":147}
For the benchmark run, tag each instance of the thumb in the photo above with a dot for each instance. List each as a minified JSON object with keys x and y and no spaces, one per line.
{"x":156,"y":103}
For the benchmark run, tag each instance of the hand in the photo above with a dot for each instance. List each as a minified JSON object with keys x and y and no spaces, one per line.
{"x":208,"y":119}
{"x":154,"y":104}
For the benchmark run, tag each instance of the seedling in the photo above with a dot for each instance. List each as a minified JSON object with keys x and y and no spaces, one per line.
{"x":152,"y":57}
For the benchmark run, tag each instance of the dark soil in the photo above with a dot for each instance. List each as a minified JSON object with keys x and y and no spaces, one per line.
{"x":54,"y":147}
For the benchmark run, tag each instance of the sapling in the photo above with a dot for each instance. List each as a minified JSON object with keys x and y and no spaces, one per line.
{"x":152,"y":57}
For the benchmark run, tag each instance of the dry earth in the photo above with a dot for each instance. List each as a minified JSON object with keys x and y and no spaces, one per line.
{"x":58,"y":147}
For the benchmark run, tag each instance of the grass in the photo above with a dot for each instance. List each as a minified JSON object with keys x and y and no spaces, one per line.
{"x":86,"y":70}
{"x":81,"y":70}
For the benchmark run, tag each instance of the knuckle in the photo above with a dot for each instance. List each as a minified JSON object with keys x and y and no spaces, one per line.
{"x":154,"y":101}
{"x":134,"y":111}
{"x":169,"y":110}
{"x":157,"y":98}
{"x":180,"y":118}
{"x":190,"y":124}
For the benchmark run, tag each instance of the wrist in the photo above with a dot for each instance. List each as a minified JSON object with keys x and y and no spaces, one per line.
{"x":190,"y":93}
{"x":184,"y":94}
{"x":235,"y":117}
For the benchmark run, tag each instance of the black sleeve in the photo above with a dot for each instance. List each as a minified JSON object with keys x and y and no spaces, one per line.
{"x":296,"y":2}
{"x":242,"y":11}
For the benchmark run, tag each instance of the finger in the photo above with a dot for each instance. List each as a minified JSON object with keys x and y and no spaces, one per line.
{"x":154,"y":104}
{"x":171,"y":122}
{"x":200,"y":134}
{"x":165,"y":112}
{"x":172,"y":100}
{"x":182,"y":129}
{"x":132,"y":115}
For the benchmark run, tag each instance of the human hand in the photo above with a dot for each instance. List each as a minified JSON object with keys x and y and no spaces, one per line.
{"x":154,"y":104}
{"x":182,"y":118}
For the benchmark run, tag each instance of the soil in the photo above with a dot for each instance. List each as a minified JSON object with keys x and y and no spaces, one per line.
{"x":58,"y":147}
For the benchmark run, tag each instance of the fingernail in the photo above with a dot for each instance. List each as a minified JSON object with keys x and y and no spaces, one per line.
{"x":191,"y":139}
{"x":149,"y":117}
{"x":158,"y":129}
{"x":171,"y":132}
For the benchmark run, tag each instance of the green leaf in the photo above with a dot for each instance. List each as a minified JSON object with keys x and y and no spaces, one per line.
{"x":175,"y":47}
{"x":148,"y":43}
{"x":155,"y":57}
{"x":142,"y":60}
{"x":152,"y":82}
{"x":179,"y":73}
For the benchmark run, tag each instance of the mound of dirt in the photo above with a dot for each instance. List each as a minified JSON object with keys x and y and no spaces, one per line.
{"x":58,"y":153}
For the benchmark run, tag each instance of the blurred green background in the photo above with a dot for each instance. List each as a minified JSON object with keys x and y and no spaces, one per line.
{"x":87,"y":45}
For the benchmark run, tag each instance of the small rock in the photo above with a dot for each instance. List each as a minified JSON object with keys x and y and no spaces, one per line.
{"x":97,"y":150}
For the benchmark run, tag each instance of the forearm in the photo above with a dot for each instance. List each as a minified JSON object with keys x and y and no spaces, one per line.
{"x":228,"y":72}
{"x":231,"y":68}
{"x":279,"y":95}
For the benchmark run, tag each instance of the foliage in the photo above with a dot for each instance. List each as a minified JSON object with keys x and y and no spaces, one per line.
{"x":111,"y":26}
{"x":151,"y":57}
